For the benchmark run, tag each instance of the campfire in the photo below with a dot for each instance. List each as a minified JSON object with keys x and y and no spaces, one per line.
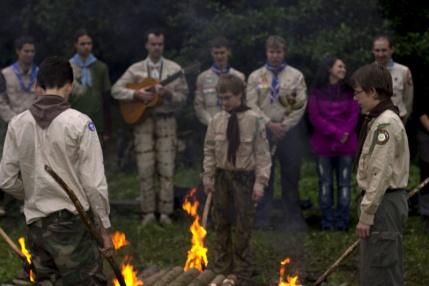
{"x":27,"y":254}
{"x":290,"y":280}
{"x":197,"y":255}
{"x":127,"y":269}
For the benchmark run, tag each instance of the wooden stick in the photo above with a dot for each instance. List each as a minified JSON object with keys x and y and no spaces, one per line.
{"x":355,"y":244}
{"x":206,"y":210}
{"x":87,"y":222}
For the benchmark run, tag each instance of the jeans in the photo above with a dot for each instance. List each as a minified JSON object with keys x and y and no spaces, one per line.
{"x":342,"y":166}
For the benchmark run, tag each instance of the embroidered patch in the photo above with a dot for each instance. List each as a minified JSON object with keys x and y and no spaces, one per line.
{"x":91,"y":126}
{"x":382,"y":136}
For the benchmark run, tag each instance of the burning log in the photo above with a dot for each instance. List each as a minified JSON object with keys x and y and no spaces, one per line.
{"x":217,"y":281}
{"x":151,"y":280}
{"x":148,"y":272}
{"x":186,"y":278}
{"x":170,"y":276}
{"x":203,"y":279}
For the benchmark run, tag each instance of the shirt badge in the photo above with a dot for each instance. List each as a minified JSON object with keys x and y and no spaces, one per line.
{"x":91,"y":126}
{"x":382,"y":136}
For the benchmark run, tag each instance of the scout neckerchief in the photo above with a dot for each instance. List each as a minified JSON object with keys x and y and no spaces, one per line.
{"x":33,"y":76}
{"x":275,"y":83}
{"x":84,"y":64}
{"x":220,"y":71}
{"x":155,"y":70}
{"x":374,"y":113}
{"x":233,"y":133}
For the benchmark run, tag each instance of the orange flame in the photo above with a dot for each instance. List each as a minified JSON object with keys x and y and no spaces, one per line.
{"x":130,"y":275}
{"x":291,"y":280}
{"x":119,"y":240}
{"x":27,"y":255}
{"x":197,"y":255}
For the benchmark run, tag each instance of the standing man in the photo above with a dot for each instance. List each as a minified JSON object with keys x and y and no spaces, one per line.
{"x":401,"y":76}
{"x":278,"y":92}
{"x":206,"y":103}
{"x":20,"y":80}
{"x":383,"y":170}
{"x":236,"y":167}
{"x":155,"y":136}
{"x":91,"y":93}
{"x":52,"y":133}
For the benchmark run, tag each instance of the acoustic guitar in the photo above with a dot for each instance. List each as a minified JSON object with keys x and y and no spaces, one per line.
{"x":136,"y":110}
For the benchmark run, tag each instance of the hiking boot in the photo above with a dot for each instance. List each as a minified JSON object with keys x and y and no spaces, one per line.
{"x":165,"y":219}
{"x":2,"y":211}
{"x":148,"y":219}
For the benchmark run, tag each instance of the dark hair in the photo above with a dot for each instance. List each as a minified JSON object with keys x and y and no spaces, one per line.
{"x":384,"y":37}
{"x":54,"y":72}
{"x":21,"y":41}
{"x":79,"y":33}
{"x":231,"y":83}
{"x":219,"y":42}
{"x":322,"y":76}
{"x":275,"y":42}
{"x":157,"y":32}
{"x":374,"y":76}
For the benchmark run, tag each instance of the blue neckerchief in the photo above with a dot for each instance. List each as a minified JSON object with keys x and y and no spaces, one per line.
{"x":217,"y":70}
{"x":86,"y":79}
{"x":390,"y":63}
{"x":275,"y":84}
{"x":33,"y":76}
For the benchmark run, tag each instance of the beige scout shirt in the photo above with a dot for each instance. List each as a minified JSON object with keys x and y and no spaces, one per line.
{"x":70,"y":146}
{"x":290,"y":105}
{"x":15,"y":100}
{"x":206,"y":104}
{"x":252,"y":154}
{"x":139,"y":71}
{"x":402,"y":88}
{"x":384,"y":162}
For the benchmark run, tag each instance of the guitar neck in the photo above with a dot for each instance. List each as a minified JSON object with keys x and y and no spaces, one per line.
{"x":171,"y":78}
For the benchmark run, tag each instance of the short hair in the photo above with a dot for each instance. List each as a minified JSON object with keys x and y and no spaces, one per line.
{"x":275,"y":42}
{"x":79,"y":33}
{"x":231,"y":83}
{"x":219,"y":42}
{"x":374,"y":76}
{"x":21,"y":41}
{"x":384,"y":37}
{"x":54,"y":72}
{"x":157,"y":32}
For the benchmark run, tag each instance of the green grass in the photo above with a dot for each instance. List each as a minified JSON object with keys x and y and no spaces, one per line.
{"x":311,"y":255}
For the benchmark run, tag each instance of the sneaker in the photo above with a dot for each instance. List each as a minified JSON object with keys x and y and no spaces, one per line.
{"x":2,"y":211}
{"x":165,"y":219}
{"x":148,"y":219}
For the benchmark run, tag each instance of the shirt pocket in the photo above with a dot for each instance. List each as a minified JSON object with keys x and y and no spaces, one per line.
{"x":221,"y":145}
{"x":210,"y":96}
{"x":245,"y":151}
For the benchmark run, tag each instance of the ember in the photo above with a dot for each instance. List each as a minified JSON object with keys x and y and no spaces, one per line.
{"x":119,"y":240}
{"x":197,"y":255}
{"x":291,"y":280}
{"x":27,"y":254}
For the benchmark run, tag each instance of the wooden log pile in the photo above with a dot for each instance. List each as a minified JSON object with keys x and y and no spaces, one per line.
{"x":175,"y":276}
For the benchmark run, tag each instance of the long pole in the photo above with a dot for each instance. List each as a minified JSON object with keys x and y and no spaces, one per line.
{"x":87,"y":221}
{"x":355,"y":244}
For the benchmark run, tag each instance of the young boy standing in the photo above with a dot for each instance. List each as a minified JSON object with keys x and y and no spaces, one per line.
{"x":382,"y":175}
{"x":236,"y":166}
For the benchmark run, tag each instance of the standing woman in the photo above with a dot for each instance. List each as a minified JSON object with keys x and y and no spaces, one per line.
{"x":333,"y":114}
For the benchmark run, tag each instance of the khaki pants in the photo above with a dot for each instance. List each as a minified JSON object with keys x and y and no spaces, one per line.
{"x":233,"y":214}
{"x":155,"y":145}
{"x":381,"y":257}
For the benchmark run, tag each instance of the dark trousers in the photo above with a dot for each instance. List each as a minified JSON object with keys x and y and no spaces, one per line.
{"x":233,"y":212}
{"x":341,"y":166}
{"x":289,"y":152}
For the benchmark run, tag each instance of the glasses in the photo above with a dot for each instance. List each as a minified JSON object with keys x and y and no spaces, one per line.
{"x":356,"y":92}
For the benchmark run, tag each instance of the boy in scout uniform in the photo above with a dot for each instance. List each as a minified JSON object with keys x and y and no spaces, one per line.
{"x":51,"y":133}
{"x":383,"y":169}
{"x":155,"y":136}
{"x":236,"y":167}
{"x":277,"y":91}
{"x":401,"y":76}
{"x":206,"y":103}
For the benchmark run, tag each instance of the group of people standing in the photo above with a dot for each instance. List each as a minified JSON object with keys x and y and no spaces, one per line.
{"x":248,"y":126}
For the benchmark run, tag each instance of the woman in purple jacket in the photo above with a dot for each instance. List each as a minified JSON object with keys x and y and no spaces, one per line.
{"x":334,"y":114}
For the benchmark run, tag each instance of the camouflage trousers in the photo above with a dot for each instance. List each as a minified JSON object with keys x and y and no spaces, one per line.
{"x":233,"y":214}
{"x":381,"y":257}
{"x":155,"y":146}
{"x":63,"y":252}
